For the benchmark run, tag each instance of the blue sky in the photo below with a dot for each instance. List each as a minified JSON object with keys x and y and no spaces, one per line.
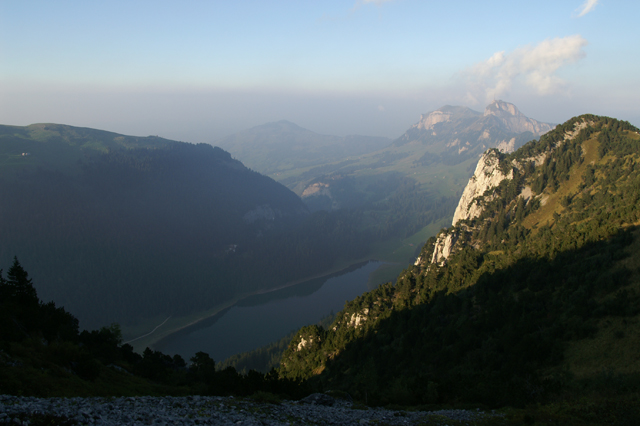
{"x":199,"y":70}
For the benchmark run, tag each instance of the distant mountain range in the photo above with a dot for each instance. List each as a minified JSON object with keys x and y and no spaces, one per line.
{"x":439,"y":152}
{"x":398,"y":187}
{"x":453,"y":134}
{"x":311,"y":164}
{"x":276,"y":148}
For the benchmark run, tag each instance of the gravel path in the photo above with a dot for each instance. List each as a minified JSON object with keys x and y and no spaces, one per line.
{"x":200,"y":410}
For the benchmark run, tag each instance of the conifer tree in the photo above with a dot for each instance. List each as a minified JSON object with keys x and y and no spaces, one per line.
{"x":20,"y":286}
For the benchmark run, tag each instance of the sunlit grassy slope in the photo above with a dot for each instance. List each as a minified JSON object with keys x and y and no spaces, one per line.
{"x":551,"y":201}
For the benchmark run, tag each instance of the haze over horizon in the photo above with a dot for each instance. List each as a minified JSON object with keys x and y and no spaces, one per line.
{"x":203,"y":70}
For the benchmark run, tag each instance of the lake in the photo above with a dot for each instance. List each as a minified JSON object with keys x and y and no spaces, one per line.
{"x":264,"y":318}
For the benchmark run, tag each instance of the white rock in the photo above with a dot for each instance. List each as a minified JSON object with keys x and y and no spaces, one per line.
{"x":486,"y":176}
{"x":507,"y":147}
{"x":316,"y":189}
{"x":443,"y":247}
{"x":303,"y":342}
{"x":514,"y":120}
{"x":427,"y":121}
{"x":357,"y":319}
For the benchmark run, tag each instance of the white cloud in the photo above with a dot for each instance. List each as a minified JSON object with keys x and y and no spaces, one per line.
{"x":534,"y":66}
{"x":586,"y":7}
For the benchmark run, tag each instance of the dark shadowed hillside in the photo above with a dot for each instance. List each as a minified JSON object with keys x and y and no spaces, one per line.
{"x":135,"y":230}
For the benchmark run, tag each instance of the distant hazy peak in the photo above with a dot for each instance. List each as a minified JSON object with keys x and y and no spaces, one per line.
{"x":501,"y":108}
{"x":427,"y":121}
{"x":287,"y":123}
{"x":506,"y":113}
{"x":281,"y":125}
{"x":514,"y":120}
{"x":441,"y":115}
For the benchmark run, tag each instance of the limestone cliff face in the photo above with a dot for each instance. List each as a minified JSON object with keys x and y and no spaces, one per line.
{"x":453,"y":134}
{"x":444,"y":247}
{"x":507,"y":146}
{"x":486,"y":176}
{"x":512,"y":119}
{"x":307,"y":338}
{"x":358,"y":319}
{"x":427,"y":121}
{"x":316,"y":189}
{"x":303,"y":342}
{"x":438,"y":252}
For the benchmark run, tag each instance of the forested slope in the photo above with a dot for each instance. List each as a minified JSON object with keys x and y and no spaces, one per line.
{"x":537,"y":296}
{"x":121,"y":229}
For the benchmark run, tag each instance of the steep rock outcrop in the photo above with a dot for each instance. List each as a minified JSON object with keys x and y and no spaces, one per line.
{"x":307,"y":338}
{"x":316,"y":189}
{"x":507,"y":147}
{"x":427,"y":121}
{"x":486,"y":176}
{"x":444,"y":246}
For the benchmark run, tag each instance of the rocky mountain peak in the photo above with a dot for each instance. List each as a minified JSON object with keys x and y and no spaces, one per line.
{"x":502,"y":109}
{"x":427,"y":121}
{"x":510,"y":117}
{"x":446,"y":114}
{"x":457,"y":133}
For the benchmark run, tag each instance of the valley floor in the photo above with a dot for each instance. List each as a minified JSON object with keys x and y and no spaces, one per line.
{"x":166,"y":327}
{"x":395,"y":254}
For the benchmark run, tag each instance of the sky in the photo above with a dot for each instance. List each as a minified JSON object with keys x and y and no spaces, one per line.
{"x":197,"y":71}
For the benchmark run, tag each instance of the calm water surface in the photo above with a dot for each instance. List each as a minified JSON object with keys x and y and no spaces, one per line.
{"x":262,"y":319}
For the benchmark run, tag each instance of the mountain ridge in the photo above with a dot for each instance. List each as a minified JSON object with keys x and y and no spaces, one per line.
{"x":452,"y":130}
{"x":525,"y":286}
{"x":274,"y":148}
{"x":437,"y":154}
{"x":112,"y":221}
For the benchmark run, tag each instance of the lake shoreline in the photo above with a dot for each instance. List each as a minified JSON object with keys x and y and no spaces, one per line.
{"x":209,"y":317}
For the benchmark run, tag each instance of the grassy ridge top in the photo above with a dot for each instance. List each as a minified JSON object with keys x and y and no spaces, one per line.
{"x":61,"y":147}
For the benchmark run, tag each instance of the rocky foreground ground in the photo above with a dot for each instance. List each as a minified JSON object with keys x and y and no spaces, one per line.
{"x":317,"y":409}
